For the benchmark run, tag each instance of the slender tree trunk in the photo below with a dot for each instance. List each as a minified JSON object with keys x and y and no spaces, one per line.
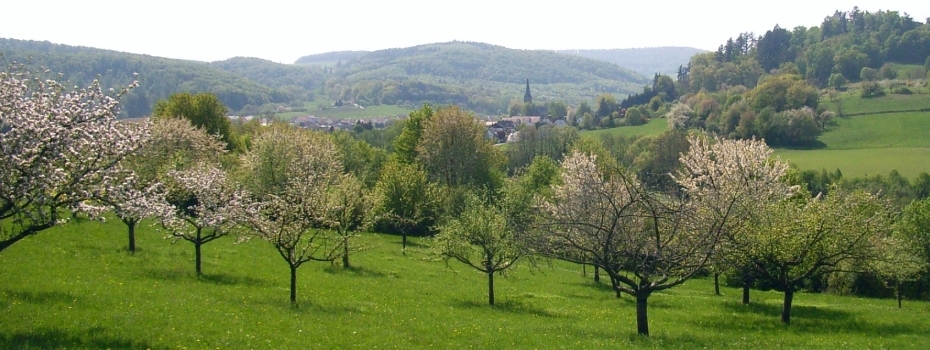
{"x":716,"y":283}
{"x":197,"y":257}
{"x":491,"y":287}
{"x":597,"y":274}
{"x":613,"y":283}
{"x":197,"y":244}
{"x":584,"y":270}
{"x":642,"y":320}
{"x":404,"y":235}
{"x":345,"y":252}
{"x":132,"y":235}
{"x":897,"y":291}
{"x":786,"y":308}
{"x":293,"y":285}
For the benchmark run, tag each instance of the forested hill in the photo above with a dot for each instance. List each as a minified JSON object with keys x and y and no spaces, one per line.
{"x":158,"y":77}
{"x":848,"y":46}
{"x":645,"y":61}
{"x":330,"y":58}
{"x":482,"y":77}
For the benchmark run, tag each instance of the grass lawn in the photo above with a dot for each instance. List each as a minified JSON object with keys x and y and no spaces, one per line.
{"x":655,"y":127}
{"x":75,"y":287}
{"x":349,"y":112}
{"x":853,"y":104}
{"x":894,"y":130}
{"x":859,"y":162}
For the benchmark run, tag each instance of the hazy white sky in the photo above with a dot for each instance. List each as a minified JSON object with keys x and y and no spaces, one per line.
{"x":283,"y":31}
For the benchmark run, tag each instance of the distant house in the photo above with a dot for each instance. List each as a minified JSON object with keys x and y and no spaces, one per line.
{"x":529,"y":120}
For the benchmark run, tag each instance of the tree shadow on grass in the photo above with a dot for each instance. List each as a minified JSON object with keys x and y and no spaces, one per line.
{"x":814,"y":145}
{"x":229,"y":279}
{"x":46,"y":338}
{"x":797,"y":311}
{"x":804,"y":319}
{"x":357,"y":271}
{"x":37,"y":297}
{"x":510,"y":305}
{"x":177,"y":275}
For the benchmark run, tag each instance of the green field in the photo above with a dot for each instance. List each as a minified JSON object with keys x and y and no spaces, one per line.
{"x":852,"y":104}
{"x":909,"y":162}
{"x":75,"y":287}
{"x":892,"y":130}
{"x":654,"y":127}
{"x":348,"y":112}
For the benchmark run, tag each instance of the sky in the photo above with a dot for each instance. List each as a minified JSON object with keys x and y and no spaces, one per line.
{"x":283,"y":31}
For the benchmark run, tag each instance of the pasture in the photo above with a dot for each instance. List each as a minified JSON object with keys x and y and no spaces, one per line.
{"x":75,"y":286}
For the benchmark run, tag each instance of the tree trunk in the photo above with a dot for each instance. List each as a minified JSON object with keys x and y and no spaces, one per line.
{"x":897,"y":291}
{"x":345,"y":253}
{"x":132,"y":235}
{"x":786,"y":308}
{"x":745,"y":292}
{"x":197,"y":244}
{"x":613,"y":283}
{"x":197,"y":257}
{"x":293,"y":285}
{"x":405,"y":243}
{"x":642,"y":321}
{"x":584,"y":270}
{"x":716,"y":283}
{"x":491,"y":287}
{"x":597,"y":274}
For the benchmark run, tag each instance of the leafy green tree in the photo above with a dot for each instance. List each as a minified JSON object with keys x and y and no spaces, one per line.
{"x":349,"y":207}
{"x":605,"y":105}
{"x":796,"y":240}
{"x":888,"y":72}
{"x":406,"y":200}
{"x":868,"y":74}
{"x":557,"y":109}
{"x":292,"y":173}
{"x":203,"y":110}
{"x":837,"y":81}
{"x":483,"y":238}
{"x":455,"y":151}
{"x":405,"y":145}
{"x":583,"y":109}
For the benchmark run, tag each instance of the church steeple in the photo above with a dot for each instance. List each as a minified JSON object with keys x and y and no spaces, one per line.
{"x":527,"y":97}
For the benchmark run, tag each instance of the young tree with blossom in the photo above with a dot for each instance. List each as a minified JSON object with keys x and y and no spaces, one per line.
{"x":58,"y":146}
{"x":291,"y":173}
{"x":137,"y":191}
{"x":645,"y":240}
{"x":207,"y":206}
{"x":729,"y":182}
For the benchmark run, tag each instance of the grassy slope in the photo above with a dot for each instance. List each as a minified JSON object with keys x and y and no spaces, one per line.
{"x":654,"y":127}
{"x":348,"y":113}
{"x":74,"y":287}
{"x":875,"y":143}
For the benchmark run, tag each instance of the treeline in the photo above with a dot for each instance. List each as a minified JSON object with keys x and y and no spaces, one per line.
{"x":846,"y":43}
{"x":768,"y":86}
{"x":480,"y":77}
{"x":158,"y":77}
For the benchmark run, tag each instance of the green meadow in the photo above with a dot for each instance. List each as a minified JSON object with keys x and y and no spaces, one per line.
{"x":76,"y":287}
{"x":348,"y":112}
{"x":655,"y":126}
